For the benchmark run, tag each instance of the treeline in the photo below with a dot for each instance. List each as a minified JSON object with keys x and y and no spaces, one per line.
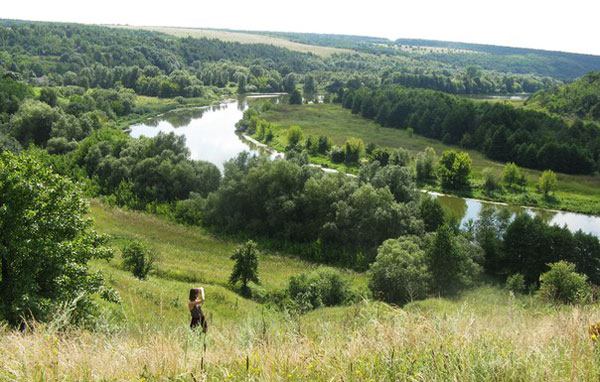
{"x":504,"y":133}
{"x":472,"y":81}
{"x":148,"y":62}
{"x":156,"y":64}
{"x":542,"y":63}
{"x":580,"y":98}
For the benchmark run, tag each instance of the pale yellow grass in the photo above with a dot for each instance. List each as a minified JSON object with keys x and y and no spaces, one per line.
{"x":244,"y":38}
{"x":435,"y":340}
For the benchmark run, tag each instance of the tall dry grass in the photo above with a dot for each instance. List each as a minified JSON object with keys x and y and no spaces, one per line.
{"x":430,"y":341}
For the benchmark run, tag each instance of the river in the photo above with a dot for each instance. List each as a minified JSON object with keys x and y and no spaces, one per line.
{"x":211,"y":136}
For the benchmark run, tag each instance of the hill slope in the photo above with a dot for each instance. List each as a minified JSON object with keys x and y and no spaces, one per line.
{"x":580,"y":98}
{"x":484,"y":335}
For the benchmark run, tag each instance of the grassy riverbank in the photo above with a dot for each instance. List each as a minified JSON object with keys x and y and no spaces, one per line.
{"x":577,"y":193}
{"x":483,"y":335}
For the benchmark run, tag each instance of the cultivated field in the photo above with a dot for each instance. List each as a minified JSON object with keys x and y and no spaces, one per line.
{"x":244,"y":38}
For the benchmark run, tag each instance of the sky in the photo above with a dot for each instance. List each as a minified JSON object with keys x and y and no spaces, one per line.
{"x":569,"y":26}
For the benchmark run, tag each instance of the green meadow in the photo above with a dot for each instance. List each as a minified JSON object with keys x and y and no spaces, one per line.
{"x":577,"y":193}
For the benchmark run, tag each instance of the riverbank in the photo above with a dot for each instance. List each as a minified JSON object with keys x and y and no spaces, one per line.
{"x":574,"y":193}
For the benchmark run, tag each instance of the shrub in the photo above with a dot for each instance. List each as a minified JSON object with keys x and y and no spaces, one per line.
{"x":321,"y":288}
{"x":337,"y":155}
{"x":138,"y":259}
{"x":513,"y":177}
{"x":491,"y":181}
{"x":425,"y":164}
{"x":516,"y":283}
{"x":400,"y":273}
{"x":294,"y":136}
{"x":547,"y":182}
{"x":354,"y":149}
{"x":562,"y":284}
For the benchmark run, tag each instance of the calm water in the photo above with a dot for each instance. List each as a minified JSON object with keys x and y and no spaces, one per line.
{"x":209,"y":131}
{"x":468,"y":209}
{"x":210,"y":136}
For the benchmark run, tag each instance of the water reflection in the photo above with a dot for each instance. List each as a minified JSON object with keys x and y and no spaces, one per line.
{"x":467,"y":209}
{"x":209,"y":131}
{"x":210,"y":135}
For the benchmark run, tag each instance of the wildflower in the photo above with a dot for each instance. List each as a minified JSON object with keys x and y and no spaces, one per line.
{"x":594,"y":331}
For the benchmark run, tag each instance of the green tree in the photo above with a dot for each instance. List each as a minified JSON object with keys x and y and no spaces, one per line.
{"x":432,"y":213}
{"x":48,"y":96}
{"x":548,"y":182}
{"x":354,"y":149}
{"x":454,"y":169}
{"x":294,"y":136}
{"x":289,"y":83}
{"x":451,"y":262}
{"x":425,"y":164}
{"x":138,"y":259}
{"x":512,"y":176}
{"x":310,"y":87}
{"x":45,"y":242}
{"x":400,"y":273}
{"x":295,"y":97}
{"x":33,"y":122}
{"x":562,"y":284}
{"x":491,"y":182}
{"x":245,"y":268}
{"x":242,"y":83}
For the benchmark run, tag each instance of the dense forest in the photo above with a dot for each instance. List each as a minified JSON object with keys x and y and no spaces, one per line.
{"x":503,"y":132}
{"x":156,"y":64}
{"x":579,"y":99}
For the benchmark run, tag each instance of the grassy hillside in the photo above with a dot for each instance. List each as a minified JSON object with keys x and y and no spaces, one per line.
{"x":244,"y":38}
{"x":484,"y":335}
{"x":188,"y":256}
{"x":575,"y":192}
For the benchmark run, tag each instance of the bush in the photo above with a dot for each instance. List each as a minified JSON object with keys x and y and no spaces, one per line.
{"x":562,"y":284}
{"x":337,"y":155}
{"x":400,"y":273}
{"x":425,"y":164}
{"x":354,"y":149}
{"x":138,"y":259}
{"x":516,"y":283}
{"x":294,"y":136}
{"x":321,"y":288}
{"x":491,"y":181}
{"x":513,"y":177}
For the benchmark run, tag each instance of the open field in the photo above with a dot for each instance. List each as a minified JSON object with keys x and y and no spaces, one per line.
{"x":244,"y":38}
{"x":577,"y":193}
{"x":188,"y":256}
{"x":483,"y":335}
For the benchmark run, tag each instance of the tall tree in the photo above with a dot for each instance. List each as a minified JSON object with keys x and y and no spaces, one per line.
{"x":45,"y":242}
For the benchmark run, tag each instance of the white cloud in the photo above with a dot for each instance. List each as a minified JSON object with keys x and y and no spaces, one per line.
{"x":552,"y":25}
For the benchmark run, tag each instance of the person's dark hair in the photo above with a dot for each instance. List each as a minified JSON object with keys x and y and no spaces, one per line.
{"x":194,"y":293}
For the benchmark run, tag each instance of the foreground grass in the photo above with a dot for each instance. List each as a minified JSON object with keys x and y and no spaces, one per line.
{"x":483,"y":336}
{"x":576,"y":193}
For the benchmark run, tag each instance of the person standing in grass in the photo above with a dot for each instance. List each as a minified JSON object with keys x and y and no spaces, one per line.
{"x":195,"y":304}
